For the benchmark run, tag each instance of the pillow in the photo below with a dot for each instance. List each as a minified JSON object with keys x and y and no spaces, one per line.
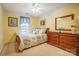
{"x":39,"y":31}
{"x":35,"y":31}
{"x":42,"y":31}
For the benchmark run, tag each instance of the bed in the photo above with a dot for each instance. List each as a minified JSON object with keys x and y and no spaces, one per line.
{"x":36,"y":37}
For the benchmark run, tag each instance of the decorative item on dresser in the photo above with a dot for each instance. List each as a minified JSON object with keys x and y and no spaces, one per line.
{"x":66,"y":41}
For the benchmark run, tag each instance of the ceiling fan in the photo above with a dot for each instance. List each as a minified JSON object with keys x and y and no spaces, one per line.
{"x":36,"y":8}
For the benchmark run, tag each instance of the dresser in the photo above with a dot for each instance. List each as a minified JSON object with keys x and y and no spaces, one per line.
{"x":53,"y":38}
{"x":66,"y":41}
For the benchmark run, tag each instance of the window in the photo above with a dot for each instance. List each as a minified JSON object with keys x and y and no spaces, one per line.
{"x":24,"y":23}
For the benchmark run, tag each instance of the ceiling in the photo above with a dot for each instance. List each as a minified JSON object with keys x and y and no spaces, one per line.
{"x":27,"y":8}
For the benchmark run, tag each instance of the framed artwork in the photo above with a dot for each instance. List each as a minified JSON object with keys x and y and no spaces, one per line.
{"x":12,"y":21}
{"x":42,"y":22}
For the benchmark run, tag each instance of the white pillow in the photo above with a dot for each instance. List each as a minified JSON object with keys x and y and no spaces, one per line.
{"x":42,"y":31}
{"x":39,"y":31}
{"x":35,"y":31}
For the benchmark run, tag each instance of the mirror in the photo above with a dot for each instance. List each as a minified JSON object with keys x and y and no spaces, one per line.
{"x":63,"y":23}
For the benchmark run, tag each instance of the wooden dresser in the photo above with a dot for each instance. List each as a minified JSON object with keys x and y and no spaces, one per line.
{"x":66,"y":41}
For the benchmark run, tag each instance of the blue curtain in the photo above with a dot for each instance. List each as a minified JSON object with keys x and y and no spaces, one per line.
{"x":24,"y":20}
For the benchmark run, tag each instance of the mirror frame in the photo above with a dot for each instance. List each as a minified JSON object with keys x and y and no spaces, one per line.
{"x":72,"y":17}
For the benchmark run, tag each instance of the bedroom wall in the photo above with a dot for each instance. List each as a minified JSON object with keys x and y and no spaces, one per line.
{"x":9,"y":31}
{"x":35,"y":22}
{"x":66,"y":10}
{"x":1,"y":27}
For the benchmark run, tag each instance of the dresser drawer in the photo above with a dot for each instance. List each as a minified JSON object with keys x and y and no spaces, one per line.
{"x":53,"y":39}
{"x":71,"y":39}
{"x":54,"y":43}
{"x":61,"y":46}
{"x":69,"y":43}
{"x":68,"y":47}
{"x":53,"y":36}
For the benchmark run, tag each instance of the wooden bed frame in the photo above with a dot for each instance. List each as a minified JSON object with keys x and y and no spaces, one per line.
{"x":18,"y":42}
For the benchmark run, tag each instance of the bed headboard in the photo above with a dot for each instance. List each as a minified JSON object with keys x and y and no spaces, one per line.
{"x":47,"y":30}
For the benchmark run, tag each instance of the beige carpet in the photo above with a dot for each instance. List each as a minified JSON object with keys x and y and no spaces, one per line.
{"x":43,"y":50}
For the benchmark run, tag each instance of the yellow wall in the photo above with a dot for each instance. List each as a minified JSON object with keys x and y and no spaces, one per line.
{"x":35,"y":22}
{"x":1,"y":27}
{"x":66,"y":10}
{"x":9,"y":31}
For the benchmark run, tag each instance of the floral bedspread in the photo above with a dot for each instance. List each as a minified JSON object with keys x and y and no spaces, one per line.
{"x":31,"y":40}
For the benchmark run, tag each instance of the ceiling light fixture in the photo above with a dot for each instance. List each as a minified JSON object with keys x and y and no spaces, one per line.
{"x":35,"y":8}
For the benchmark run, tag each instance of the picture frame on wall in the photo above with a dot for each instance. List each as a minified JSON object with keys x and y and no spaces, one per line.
{"x":42,"y":22}
{"x":12,"y":21}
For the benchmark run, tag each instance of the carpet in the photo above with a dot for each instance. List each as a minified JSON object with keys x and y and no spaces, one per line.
{"x":43,"y":50}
